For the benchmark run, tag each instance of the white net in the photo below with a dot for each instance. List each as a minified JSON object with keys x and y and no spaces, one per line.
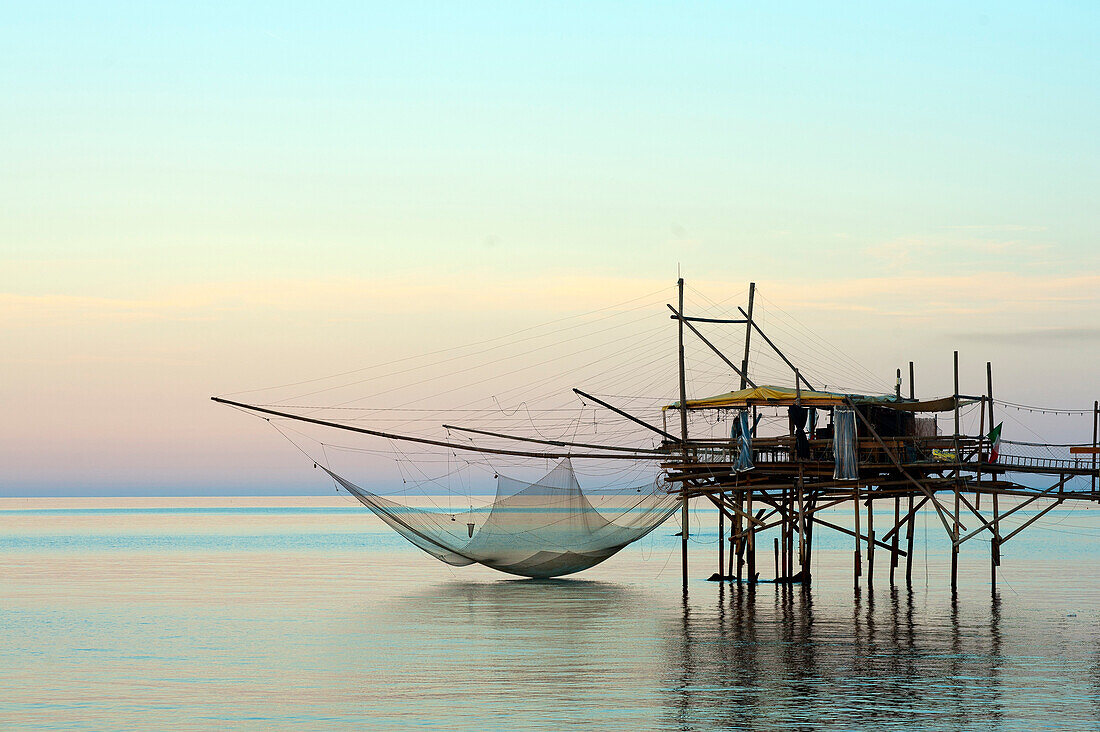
{"x":548,"y":528}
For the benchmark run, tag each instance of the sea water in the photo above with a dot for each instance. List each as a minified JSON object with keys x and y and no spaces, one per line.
{"x":307,"y":614}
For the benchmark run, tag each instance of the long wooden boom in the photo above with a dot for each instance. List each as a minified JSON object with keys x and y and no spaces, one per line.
{"x":429,"y":441}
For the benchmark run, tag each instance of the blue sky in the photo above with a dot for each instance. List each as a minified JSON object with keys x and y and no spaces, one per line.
{"x":192,"y":188}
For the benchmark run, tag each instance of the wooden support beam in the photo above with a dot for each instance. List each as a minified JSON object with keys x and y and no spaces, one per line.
{"x":869,"y":540}
{"x":751,"y":542}
{"x":912,"y":516}
{"x":423,"y":440}
{"x":1006,"y":514}
{"x":859,"y":558}
{"x":955,"y":534}
{"x":897,"y":464}
{"x":683,"y":439}
{"x":632,"y":418}
{"x":908,"y":515}
{"x":748,"y":335}
{"x":694,"y":319}
{"x":725,"y":504}
{"x":721,"y":537}
{"x":775,"y":348}
{"x":894,"y":542}
{"x":1095,"y":430}
{"x":712,"y":347}
{"x":1031,"y":520}
{"x":557,"y":443}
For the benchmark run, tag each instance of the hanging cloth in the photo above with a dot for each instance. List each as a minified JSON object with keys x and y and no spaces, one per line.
{"x":845,"y":446}
{"x":741,"y":436}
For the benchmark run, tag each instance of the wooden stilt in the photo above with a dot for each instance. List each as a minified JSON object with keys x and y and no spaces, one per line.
{"x":790,"y":533}
{"x":995,"y":542}
{"x":801,"y":532}
{"x":909,"y":543}
{"x":894,"y":541}
{"x":870,"y":542}
{"x":751,"y":551}
{"x":683,"y":437}
{"x":777,"y":575}
{"x":859,"y":549}
{"x":958,"y":458}
{"x":721,"y":538}
{"x":740,"y":540}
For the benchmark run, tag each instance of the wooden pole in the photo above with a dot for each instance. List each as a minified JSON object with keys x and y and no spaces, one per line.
{"x":783,"y":534}
{"x":859,"y":558}
{"x":740,"y":539}
{"x":870,"y":541}
{"x":777,"y":575}
{"x":712,"y":347}
{"x":747,"y":547}
{"x":683,"y":438}
{"x":748,"y":335}
{"x":894,"y":543}
{"x":909,"y":543}
{"x":790,"y":532}
{"x":751,"y":551}
{"x":802,"y":558}
{"x":1096,"y":428}
{"x":995,"y":542}
{"x":912,"y":392}
{"x":958,"y":457}
{"x":981,"y":449}
{"x":721,"y":540}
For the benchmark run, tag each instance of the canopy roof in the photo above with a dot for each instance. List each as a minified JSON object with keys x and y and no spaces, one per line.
{"x":782,"y":396}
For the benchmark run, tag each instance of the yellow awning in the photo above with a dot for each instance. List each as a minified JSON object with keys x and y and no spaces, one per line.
{"x":782,"y":396}
{"x":771,"y":395}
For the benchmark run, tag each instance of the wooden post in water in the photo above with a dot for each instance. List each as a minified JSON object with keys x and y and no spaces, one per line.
{"x":751,"y":550}
{"x":995,"y":542}
{"x":741,"y":524}
{"x":1095,"y":429}
{"x":721,"y":538}
{"x":859,"y":549}
{"x":747,"y":547}
{"x":777,"y":575}
{"x":870,"y":541}
{"x":683,"y":437}
{"x":909,"y":543}
{"x":958,"y":458}
{"x":894,"y":541}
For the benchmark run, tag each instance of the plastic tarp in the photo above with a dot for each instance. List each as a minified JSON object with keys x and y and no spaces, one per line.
{"x":845,"y":446}
{"x":741,"y":435}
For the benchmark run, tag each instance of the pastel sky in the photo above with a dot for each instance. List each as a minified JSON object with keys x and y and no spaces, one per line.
{"x":200,"y":198}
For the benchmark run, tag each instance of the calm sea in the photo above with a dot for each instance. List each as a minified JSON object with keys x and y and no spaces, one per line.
{"x":308,"y":614}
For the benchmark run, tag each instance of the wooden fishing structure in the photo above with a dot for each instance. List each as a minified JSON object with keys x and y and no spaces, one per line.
{"x":894,"y":457}
{"x":842,"y":451}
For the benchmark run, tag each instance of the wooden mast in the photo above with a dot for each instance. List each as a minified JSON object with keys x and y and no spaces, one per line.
{"x":958,"y":459}
{"x":995,"y":542}
{"x":748,"y":548}
{"x":683,"y":437}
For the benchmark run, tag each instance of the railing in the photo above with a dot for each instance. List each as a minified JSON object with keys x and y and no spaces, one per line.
{"x":1026,"y":461}
{"x":780,"y":449}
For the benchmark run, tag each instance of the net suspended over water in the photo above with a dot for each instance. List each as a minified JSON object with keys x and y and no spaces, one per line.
{"x":543,"y":529}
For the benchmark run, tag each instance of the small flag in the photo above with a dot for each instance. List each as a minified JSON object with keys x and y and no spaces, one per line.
{"x":995,"y":441}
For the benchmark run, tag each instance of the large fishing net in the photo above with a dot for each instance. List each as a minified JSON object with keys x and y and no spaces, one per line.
{"x":543,"y":529}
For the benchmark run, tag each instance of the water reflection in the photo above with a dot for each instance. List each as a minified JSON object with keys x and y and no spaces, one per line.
{"x":778,"y":658}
